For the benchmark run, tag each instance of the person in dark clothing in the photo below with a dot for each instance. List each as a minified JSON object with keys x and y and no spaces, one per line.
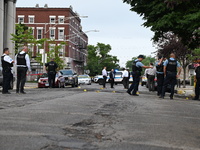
{"x":197,"y":80}
{"x":160,"y":74}
{"x":22,"y":61}
{"x":171,"y":73}
{"x":112,"y":78}
{"x":7,"y":64}
{"x":136,"y":73}
{"x":51,"y":70}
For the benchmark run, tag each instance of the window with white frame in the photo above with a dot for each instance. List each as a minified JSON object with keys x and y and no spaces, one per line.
{"x":61,"y":19}
{"x":31,"y":49}
{"x":39,"y":33}
{"x":38,"y":47}
{"x":20,"y":18}
{"x":61,"y":50}
{"x":61,"y":34}
{"x":52,"y":50}
{"x":52,"y":19}
{"x":31,"y":19}
{"x":52,"y":33}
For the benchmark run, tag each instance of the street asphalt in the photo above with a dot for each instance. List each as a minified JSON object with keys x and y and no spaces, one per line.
{"x":92,"y":118}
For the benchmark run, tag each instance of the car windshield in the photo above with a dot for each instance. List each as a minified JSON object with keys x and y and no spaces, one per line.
{"x":83,"y":76}
{"x":44,"y":75}
{"x":66,"y":72}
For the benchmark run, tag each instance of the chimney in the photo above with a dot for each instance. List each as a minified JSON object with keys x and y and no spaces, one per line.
{"x":46,"y":6}
{"x":37,"y":6}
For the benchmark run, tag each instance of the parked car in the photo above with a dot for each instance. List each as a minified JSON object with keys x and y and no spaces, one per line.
{"x":143,"y":80}
{"x":1,"y":79}
{"x":59,"y":81}
{"x":84,"y":79}
{"x":70,"y":76}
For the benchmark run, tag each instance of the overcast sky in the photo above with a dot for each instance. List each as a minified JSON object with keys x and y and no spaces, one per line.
{"x":118,"y":26}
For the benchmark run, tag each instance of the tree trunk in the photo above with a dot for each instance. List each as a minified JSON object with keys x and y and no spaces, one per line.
{"x":184,"y":75}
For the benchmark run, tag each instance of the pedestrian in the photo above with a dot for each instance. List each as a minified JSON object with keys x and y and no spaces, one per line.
{"x":136,"y":73}
{"x":150,"y":74}
{"x":51,"y":71}
{"x":160,"y":74}
{"x":22,"y":61}
{"x":7,"y":64}
{"x":125,"y":76}
{"x":172,"y":70}
{"x":112,"y":78}
{"x":197,"y":80}
{"x":104,"y":73}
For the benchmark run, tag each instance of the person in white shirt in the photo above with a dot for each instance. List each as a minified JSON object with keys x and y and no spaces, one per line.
{"x":104,"y":73}
{"x":125,"y":76}
{"x":22,"y":61}
{"x":150,"y":74}
{"x":7,"y":64}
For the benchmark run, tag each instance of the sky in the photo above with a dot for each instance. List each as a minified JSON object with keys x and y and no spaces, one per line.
{"x":117,"y":25}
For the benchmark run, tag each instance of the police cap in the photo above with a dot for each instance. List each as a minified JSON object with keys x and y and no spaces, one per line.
{"x":141,"y":56}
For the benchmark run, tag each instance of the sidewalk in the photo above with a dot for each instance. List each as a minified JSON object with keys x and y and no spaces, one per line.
{"x":188,"y":92}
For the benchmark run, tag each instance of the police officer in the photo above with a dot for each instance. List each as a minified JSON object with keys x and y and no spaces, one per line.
{"x":197,"y":80}
{"x":170,"y":72}
{"x":51,"y":70}
{"x":7,"y":64}
{"x":136,"y":73}
{"x":160,"y":74}
{"x":22,"y":61}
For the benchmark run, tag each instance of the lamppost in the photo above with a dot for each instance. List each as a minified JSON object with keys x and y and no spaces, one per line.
{"x":46,"y":31}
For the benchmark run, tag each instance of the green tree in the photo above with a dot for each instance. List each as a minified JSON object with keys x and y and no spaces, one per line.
{"x":22,"y":37}
{"x":98,"y":57}
{"x":181,"y":17}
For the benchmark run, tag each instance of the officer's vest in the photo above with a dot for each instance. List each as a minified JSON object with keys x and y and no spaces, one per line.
{"x":5,"y":65}
{"x":21,"y":59}
{"x":52,"y":66}
{"x":135,"y":68}
{"x":172,"y":65}
{"x":159,"y":68}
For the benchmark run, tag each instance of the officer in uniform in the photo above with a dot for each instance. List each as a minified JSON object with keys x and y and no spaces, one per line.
{"x":136,"y":73}
{"x":51,"y":70}
{"x":170,"y":71}
{"x":7,"y":64}
{"x":22,"y":61}
{"x":160,"y":74}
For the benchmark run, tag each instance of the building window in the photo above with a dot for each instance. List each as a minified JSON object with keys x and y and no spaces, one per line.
{"x":31,"y":19}
{"x":39,"y":49}
{"x":61,"y":19}
{"x":61,"y":50}
{"x":52,"y":33}
{"x":52,"y":19}
{"x":21,"y":19}
{"x":30,"y":48}
{"x":60,"y":33}
{"x":39,"y":33}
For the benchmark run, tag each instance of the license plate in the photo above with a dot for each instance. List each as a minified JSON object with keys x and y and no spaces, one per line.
{"x":46,"y":84}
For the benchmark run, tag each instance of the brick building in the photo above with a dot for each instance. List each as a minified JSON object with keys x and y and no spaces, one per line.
{"x":59,"y":25}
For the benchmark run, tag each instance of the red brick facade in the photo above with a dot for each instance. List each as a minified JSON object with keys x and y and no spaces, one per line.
{"x":54,"y":23}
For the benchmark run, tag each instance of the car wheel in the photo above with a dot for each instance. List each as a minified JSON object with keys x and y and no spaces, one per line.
{"x":101,"y":82}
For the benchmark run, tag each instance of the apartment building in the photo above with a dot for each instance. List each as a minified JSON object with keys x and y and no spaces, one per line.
{"x":59,"y":25}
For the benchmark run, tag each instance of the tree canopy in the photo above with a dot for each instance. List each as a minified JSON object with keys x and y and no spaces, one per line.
{"x":99,"y":57}
{"x":181,"y":17}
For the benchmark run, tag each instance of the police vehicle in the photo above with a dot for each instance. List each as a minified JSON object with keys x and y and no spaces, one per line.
{"x":118,"y":78}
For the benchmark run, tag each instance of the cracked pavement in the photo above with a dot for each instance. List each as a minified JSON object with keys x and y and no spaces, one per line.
{"x":71,"y":119}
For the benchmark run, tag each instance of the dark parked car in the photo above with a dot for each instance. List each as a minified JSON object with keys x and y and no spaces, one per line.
{"x":70,"y":76}
{"x":1,"y":79}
